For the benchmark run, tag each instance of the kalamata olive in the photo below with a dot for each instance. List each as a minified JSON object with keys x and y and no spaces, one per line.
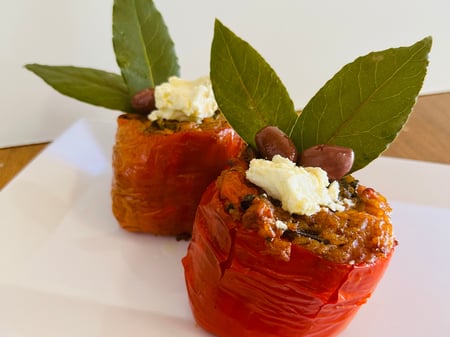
{"x":271,"y":141}
{"x":335,"y":160}
{"x":144,"y":101}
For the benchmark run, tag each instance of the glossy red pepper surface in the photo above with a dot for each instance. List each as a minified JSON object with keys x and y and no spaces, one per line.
{"x":159,"y":177}
{"x":236,"y":289}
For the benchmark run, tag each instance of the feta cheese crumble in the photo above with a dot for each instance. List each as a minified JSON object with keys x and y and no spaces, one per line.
{"x":301,"y":190}
{"x":184,"y":100}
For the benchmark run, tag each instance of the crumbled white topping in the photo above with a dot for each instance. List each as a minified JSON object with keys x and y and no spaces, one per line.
{"x":281,"y":225}
{"x":301,"y":190}
{"x":184,"y":100}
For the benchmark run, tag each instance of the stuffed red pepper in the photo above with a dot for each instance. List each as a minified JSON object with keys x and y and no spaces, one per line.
{"x":255,"y":270}
{"x":171,"y":140}
{"x":160,"y":170}
{"x":286,"y":242}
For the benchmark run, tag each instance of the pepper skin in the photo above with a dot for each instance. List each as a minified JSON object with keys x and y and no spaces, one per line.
{"x":236,"y":288}
{"x":159,"y":176}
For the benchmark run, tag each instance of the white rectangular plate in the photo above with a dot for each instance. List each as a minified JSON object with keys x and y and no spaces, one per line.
{"x":67,"y":269}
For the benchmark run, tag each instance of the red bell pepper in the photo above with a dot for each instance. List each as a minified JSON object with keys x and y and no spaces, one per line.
{"x":236,"y":288}
{"x":160,"y":175}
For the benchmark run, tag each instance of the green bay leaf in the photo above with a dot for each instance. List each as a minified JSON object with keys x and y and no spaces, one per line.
{"x":88,"y":85}
{"x":247,"y":90}
{"x":366,"y":103}
{"x":144,"y":49}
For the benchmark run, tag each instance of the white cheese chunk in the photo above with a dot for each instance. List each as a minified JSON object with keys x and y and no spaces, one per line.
{"x":301,"y":190}
{"x":282,"y":226}
{"x":184,"y":100}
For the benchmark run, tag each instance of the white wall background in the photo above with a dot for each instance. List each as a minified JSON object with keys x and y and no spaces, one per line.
{"x":306,"y":42}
